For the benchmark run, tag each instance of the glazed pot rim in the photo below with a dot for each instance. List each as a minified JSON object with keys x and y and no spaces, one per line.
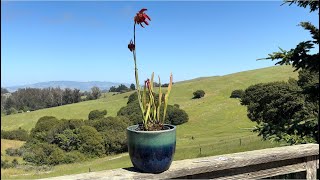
{"x":133,"y":127}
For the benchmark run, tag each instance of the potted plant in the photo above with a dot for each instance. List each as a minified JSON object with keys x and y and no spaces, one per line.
{"x":152,"y":143}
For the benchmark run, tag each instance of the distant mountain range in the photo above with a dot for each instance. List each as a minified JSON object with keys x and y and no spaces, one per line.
{"x":83,"y":86}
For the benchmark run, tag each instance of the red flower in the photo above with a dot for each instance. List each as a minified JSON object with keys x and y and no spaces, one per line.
{"x":131,"y":46}
{"x":141,"y":18}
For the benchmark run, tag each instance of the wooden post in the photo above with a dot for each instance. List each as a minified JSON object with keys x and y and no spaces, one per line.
{"x":311,"y":167}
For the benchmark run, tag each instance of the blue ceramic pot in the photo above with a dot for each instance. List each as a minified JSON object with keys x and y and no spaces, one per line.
{"x":151,"y":151}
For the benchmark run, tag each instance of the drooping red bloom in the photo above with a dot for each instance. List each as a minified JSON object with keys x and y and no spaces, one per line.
{"x":141,"y":17}
{"x":131,"y":46}
{"x":147,"y":83}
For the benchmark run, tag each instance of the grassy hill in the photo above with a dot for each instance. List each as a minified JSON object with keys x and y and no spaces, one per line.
{"x":80,"y":110}
{"x":217,"y":123}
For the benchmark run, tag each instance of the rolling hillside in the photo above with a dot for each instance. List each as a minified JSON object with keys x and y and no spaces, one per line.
{"x":218,"y":90}
{"x":217,"y":123}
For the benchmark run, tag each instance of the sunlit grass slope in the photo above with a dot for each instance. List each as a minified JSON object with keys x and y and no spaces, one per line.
{"x":80,"y":110}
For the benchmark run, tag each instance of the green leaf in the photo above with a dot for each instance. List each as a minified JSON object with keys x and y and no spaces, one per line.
{"x":159,"y":100}
{"x":166,"y":99}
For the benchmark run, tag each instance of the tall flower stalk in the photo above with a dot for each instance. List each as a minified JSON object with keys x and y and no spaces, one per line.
{"x":149,"y":107}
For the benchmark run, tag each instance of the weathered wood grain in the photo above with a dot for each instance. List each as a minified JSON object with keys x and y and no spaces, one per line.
{"x":312,"y":162}
{"x":250,"y":164}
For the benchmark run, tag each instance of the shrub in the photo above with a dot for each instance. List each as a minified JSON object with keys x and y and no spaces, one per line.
{"x":64,"y":124}
{"x":42,"y":127}
{"x":237,"y":93}
{"x":14,"y":152}
{"x":91,"y":141}
{"x":176,"y":116}
{"x":74,"y":156}
{"x":45,"y":123}
{"x":130,"y":108}
{"x":5,"y":164}
{"x":49,"y":154}
{"x":113,"y":130}
{"x":11,"y":111}
{"x":56,"y":157}
{"x":68,"y":140}
{"x":96,"y":114}
{"x":132,"y":97}
{"x":18,"y":134}
{"x":135,"y":118}
{"x":198,"y":94}
{"x":176,"y":105}
{"x":15,"y":162}
{"x":43,"y":153}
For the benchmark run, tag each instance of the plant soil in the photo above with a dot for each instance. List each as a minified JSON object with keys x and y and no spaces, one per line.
{"x":150,"y":127}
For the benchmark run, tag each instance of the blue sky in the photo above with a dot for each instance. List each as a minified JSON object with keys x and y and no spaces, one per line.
{"x":87,"y":41}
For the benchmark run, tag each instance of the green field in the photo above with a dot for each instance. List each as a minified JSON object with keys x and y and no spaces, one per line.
{"x":81,"y":110}
{"x":217,"y":123}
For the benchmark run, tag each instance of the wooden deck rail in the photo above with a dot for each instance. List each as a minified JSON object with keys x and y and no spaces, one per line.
{"x":245,"y":165}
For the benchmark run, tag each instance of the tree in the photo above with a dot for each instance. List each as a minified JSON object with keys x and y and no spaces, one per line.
{"x":4,"y":90}
{"x":296,"y":118}
{"x":132,"y":87}
{"x":176,"y":116}
{"x":9,"y":103}
{"x":96,"y":114}
{"x":113,"y":130}
{"x":238,"y":93}
{"x":42,"y":127}
{"x":122,"y":88}
{"x":68,"y":140}
{"x":33,"y":98}
{"x":91,"y":141}
{"x":89,"y":97}
{"x":76,"y":96}
{"x":12,"y":111}
{"x":281,"y":112}
{"x":113,"y":89}
{"x":96,"y":93}
{"x":132,"y":97}
{"x":299,"y":56}
{"x":165,"y":85}
{"x":67,"y":96}
{"x":198,"y":94}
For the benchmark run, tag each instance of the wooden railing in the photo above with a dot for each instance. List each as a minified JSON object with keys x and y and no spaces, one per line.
{"x":245,"y":165}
